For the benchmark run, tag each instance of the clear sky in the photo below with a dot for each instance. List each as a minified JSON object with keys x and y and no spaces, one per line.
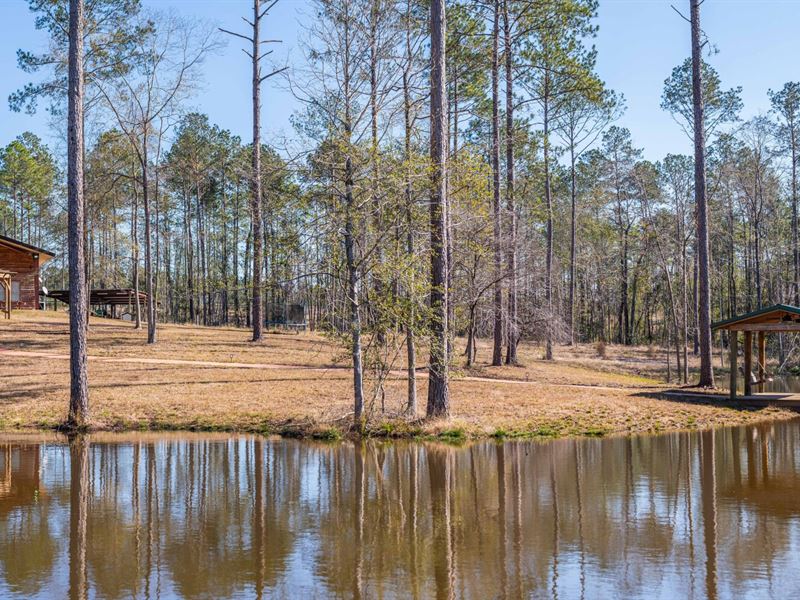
{"x":639,"y":43}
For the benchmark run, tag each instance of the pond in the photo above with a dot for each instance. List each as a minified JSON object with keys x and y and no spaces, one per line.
{"x":709,"y":514}
{"x":777,"y":384}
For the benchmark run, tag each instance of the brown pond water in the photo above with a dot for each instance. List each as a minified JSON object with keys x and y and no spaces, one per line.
{"x":711,"y":514}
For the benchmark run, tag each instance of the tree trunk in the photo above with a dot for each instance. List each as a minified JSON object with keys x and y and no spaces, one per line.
{"x":79,"y":381}
{"x":438,"y":392}
{"x":704,"y":292}
{"x":353,"y":283}
{"x":258,"y":314}
{"x":513,"y":322}
{"x":411,"y":351}
{"x":549,"y":316}
{"x":795,"y":248}
{"x":137,"y":307}
{"x":572,"y":240}
{"x":148,"y":265}
{"x":497,"y":351}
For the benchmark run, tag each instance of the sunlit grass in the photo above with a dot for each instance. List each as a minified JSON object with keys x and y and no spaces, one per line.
{"x":295,"y":384}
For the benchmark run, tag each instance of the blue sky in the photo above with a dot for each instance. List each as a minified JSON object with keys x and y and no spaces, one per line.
{"x":639,"y":43}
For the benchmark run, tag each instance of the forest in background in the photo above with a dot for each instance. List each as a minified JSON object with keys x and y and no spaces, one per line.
{"x":557,"y":230}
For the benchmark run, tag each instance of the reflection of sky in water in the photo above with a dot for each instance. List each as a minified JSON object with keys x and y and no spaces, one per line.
{"x":680,"y":515}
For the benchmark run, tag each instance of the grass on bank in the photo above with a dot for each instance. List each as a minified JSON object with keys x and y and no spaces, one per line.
{"x":301,"y":387}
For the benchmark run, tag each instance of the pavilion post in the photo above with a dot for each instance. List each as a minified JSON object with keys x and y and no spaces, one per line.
{"x":762,"y":360}
{"x":733,"y":342}
{"x":6,"y":297}
{"x":748,"y":363}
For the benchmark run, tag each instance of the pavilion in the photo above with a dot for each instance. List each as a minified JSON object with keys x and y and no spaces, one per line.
{"x":771,"y":319}
{"x":110,"y":298}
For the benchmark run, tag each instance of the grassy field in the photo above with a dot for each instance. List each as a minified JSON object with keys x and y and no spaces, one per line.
{"x":198,"y":378}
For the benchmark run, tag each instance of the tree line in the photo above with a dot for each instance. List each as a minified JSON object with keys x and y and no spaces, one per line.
{"x":458,"y":173}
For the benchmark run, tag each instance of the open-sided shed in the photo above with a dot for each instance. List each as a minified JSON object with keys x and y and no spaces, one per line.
{"x":110,"y":298}
{"x":771,"y":319}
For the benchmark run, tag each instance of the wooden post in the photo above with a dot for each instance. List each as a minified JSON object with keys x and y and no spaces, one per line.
{"x":733,"y":342}
{"x":5,"y":282}
{"x":762,"y":360}
{"x":748,"y":362}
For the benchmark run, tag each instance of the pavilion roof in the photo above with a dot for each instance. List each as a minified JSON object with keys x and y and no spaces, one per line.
{"x":767,"y":318}
{"x":110,"y":296}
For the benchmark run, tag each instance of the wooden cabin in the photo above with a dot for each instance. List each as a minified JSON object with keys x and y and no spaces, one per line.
{"x":20,"y":264}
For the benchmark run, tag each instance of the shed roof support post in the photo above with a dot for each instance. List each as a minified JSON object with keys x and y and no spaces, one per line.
{"x":733,"y":342}
{"x":5,"y":282}
{"x":762,"y":360}
{"x":748,"y":363}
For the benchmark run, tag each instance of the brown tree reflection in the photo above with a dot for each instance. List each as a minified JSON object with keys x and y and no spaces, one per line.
{"x":78,"y":515}
{"x":713,"y":514}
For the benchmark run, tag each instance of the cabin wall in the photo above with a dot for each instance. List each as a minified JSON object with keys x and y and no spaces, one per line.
{"x":26,"y":271}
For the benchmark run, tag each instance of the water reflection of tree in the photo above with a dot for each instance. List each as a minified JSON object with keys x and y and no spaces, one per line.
{"x":78,"y":515}
{"x":695,"y":514}
{"x":28,"y":543}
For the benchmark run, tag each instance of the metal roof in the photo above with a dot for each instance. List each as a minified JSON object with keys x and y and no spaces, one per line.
{"x":786,"y":309}
{"x":119,"y":296}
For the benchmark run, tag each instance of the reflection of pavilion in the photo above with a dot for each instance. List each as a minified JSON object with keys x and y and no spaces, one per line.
{"x":19,"y":475}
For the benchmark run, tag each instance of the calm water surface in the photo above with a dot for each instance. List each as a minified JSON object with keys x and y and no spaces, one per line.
{"x":689,"y":515}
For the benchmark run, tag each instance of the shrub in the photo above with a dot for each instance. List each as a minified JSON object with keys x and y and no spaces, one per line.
{"x":600,"y":348}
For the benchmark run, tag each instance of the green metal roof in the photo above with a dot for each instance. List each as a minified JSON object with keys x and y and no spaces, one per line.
{"x":793,"y":310}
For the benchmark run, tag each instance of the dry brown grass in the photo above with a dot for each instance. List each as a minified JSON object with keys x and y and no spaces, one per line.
{"x":297,"y":385}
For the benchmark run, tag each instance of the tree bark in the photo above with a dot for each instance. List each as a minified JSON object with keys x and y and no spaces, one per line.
{"x":258,"y":314}
{"x":148,"y":265}
{"x":411,"y":351}
{"x":513,"y":322}
{"x":548,"y":195}
{"x":497,"y":351}
{"x":704,"y":292}
{"x":438,"y":388}
{"x":137,"y":308}
{"x":795,"y":245}
{"x":353,"y":283}
{"x":79,"y":382}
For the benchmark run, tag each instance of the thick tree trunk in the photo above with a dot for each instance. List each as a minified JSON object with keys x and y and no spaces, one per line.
{"x":704,"y":292}
{"x":79,"y":381}
{"x":548,"y":195}
{"x":513,"y":322}
{"x":258,"y":314}
{"x":795,"y":245}
{"x":497,"y":351}
{"x":438,"y":385}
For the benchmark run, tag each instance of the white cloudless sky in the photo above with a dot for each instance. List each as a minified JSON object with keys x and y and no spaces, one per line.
{"x":639,"y":42}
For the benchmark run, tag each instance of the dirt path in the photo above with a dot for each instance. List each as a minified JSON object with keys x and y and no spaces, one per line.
{"x":271,"y":366}
{"x":164,"y":361}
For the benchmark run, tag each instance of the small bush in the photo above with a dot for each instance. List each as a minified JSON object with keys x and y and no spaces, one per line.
{"x":600,"y":348}
{"x":545,"y":431}
{"x":329,"y":434}
{"x":453,"y":435}
{"x":595,"y":432}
